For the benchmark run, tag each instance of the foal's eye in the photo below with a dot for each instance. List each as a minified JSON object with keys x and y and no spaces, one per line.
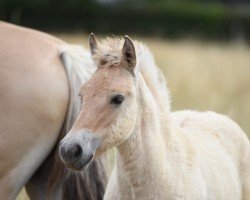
{"x":117,"y":99}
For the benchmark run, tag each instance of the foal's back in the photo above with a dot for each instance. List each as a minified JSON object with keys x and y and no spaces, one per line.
{"x":212,"y":134}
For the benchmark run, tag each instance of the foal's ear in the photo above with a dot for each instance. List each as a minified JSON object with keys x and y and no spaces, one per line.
{"x":92,"y":43}
{"x":128,"y":51}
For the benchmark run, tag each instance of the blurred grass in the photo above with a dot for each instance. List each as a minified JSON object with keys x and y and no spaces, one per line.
{"x":200,"y":75}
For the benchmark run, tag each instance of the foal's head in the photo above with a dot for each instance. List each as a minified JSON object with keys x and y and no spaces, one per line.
{"x":109,"y":103}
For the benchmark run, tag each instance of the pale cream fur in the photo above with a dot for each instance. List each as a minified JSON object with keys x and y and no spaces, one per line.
{"x":161,"y":154}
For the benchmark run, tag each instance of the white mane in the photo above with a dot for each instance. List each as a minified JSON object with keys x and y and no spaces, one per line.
{"x":109,"y":51}
{"x":153,"y":75}
{"x":79,"y":67}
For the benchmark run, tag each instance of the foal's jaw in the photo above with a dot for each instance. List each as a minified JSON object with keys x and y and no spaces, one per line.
{"x":77,"y":149}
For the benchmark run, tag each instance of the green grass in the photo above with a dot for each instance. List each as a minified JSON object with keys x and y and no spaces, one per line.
{"x":200,"y":75}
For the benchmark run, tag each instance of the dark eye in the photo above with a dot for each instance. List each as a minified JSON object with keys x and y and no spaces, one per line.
{"x":117,"y":99}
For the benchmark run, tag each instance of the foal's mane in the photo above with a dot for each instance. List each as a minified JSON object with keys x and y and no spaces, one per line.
{"x":109,"y":52}
{"x":90,"y":184}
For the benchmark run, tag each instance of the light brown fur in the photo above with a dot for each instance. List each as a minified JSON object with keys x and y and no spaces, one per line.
{"x":32,"y":109}
{"x":35,"y":104}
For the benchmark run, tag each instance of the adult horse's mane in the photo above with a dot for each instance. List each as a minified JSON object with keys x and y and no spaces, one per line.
{"x":89,"y":184}
{"x":111,"y":50}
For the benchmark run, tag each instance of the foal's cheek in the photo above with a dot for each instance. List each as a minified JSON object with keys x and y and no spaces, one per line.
{"x":116,"y":127}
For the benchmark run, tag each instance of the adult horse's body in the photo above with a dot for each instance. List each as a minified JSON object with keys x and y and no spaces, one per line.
{"x":36,"y":108}
{"x":160,"y":154}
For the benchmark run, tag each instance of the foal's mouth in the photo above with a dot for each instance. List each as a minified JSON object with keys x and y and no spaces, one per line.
{"x":81,"y":165}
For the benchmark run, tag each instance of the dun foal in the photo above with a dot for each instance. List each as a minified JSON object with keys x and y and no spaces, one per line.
{"x":160,"y":154}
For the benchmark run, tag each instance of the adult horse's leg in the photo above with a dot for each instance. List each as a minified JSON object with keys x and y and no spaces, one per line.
{"x":33,"y":104}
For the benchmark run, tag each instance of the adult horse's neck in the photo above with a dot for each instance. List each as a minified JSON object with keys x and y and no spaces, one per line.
{"x":141,"y":163}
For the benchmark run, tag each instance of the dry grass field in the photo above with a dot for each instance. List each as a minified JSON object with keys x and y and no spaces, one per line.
{"x":200,"y":75}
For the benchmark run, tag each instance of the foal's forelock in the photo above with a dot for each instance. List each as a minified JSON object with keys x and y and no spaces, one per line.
{"x":109,"y":52}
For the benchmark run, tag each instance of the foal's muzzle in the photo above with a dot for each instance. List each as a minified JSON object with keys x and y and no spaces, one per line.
{"x":76,"y":150}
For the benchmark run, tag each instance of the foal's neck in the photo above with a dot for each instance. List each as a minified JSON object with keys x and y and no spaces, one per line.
{"x":141,"y":158}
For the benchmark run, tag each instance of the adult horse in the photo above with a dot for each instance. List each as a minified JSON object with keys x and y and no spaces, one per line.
{"x":39,"y":76}
{"x":160,"y":154}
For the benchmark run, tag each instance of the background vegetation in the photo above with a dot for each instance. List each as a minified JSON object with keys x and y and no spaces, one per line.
{"x":216,"y":19}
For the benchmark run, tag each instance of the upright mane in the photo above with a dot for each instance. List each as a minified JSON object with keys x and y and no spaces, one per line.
{"x":109,"y":52}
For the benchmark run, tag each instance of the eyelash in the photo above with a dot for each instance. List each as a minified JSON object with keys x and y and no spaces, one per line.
{"x":80,"y":98}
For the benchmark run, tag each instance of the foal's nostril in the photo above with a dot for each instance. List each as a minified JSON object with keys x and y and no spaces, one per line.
{"x":70,"y":153}
{"x":77,"y":151}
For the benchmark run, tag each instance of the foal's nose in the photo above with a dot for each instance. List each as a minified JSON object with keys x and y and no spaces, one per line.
{"x":77,"y":150}
{"x":70,"y":152}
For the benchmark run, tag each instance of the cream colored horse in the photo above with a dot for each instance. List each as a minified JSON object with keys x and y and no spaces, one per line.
{"x":160,"y":154}
{"x":38,"y":104}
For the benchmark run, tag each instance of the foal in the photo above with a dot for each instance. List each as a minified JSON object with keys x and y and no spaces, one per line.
{"x":160,"y":155}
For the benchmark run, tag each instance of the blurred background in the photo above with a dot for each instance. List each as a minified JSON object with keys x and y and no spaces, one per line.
{"x":202,"y":46}
{"x":206,"y":19}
